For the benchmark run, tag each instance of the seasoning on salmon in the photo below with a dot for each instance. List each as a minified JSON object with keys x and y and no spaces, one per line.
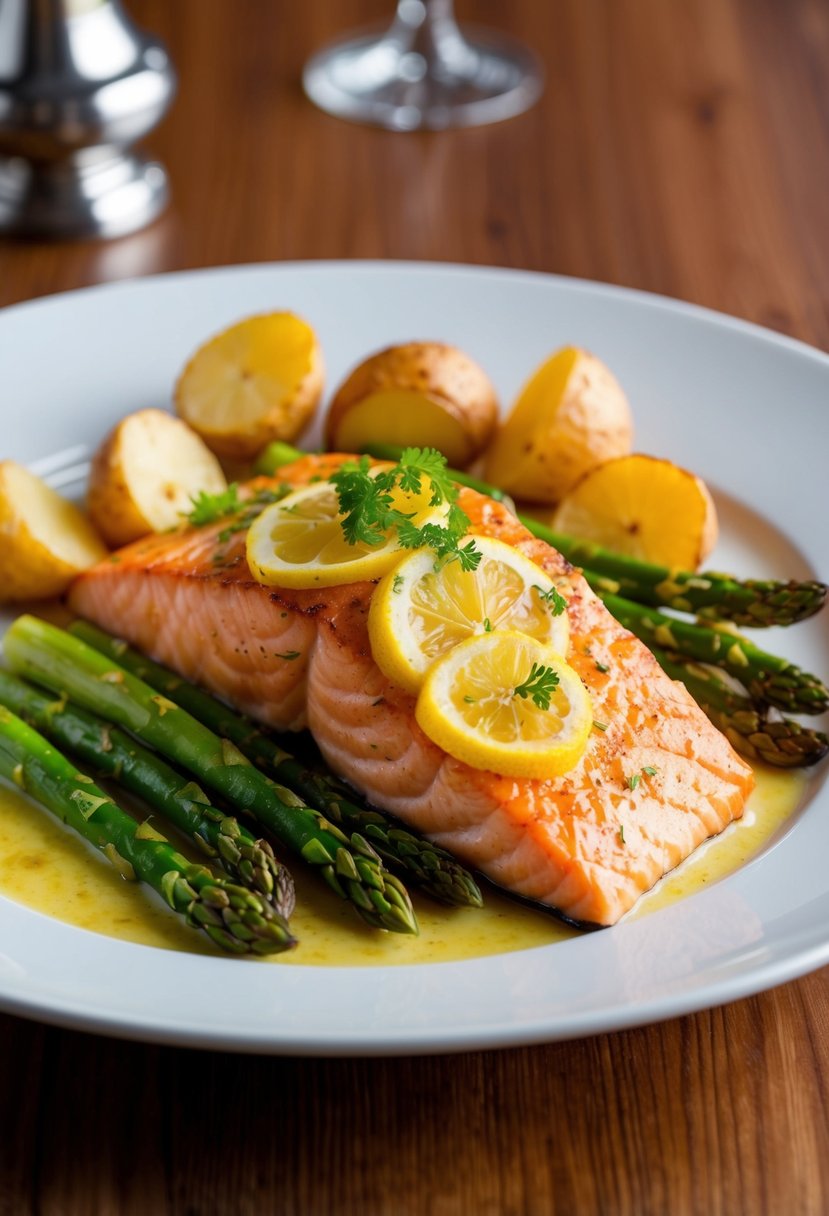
{"x":655,"y":780}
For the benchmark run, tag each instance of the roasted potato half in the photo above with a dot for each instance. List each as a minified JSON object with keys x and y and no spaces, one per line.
{"x":44,"y":540}
{"x":570,"y":416}
{"x":145,"y":474}
{"x":257,"y":381}
{"x":425,"y":394}
{"x":644,"y":507}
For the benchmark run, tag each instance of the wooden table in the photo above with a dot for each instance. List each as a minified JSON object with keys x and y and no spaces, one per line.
{"x":681,"y":146}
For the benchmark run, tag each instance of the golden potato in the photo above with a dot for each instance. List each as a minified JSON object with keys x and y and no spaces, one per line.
{"x":570,"y":416}
{"x":145,"y":475}
{"x":424,"y":394}
{"x":257,"y":381}
{"x":44,"y":540}
{"x":644,"y":507}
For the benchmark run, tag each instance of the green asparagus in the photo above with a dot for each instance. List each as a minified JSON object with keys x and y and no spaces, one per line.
{"x":91,"y":740}
{"x":351,"y":867}
{"x":778,"y":741}
{"x":426,"y":865}
{"x":744,"y":602}
{"x":768,"y":679}
{"x":236,"y":919}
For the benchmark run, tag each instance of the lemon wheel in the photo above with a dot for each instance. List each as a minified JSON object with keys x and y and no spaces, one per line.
{"x":299,"y":542}
{"x":478,"y":704}
{"x":419,"y":613}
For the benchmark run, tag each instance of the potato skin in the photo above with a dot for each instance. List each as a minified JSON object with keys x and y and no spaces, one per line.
{"x":45,"y":541}
{"x":144,"y":474}
{"x":436,"y":370}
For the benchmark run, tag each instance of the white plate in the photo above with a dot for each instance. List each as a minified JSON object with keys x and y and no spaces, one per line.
{"x":747,"y":409}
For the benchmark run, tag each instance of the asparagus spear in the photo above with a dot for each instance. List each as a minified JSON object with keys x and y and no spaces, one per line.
{"x":250,"y":862}
{"x":234,"y":918}
{"x":768,"y":679}
{"x":349,"y":864}
{"x":745,"y":602}
{"x":781,"y":742}
{"x":425,"y":864}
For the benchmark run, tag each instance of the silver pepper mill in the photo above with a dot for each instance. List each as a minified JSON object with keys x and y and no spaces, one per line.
{"x":79,"y":84}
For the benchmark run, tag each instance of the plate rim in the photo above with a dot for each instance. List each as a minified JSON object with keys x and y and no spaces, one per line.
{"x":808,"y":957}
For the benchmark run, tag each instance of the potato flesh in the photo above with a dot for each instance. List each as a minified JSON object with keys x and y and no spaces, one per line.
{"x":257,"y":381}
{"x":404,"y":419}
{"x":146,"y":474}
{"x":644,"y":507}
{"x":570,"y":416}
{"x":45,"y":541}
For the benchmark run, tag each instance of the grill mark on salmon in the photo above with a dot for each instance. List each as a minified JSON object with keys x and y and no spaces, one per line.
{"x":585,"y":844}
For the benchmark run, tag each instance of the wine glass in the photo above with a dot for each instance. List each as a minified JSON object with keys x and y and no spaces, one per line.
{"x":424,"y":72}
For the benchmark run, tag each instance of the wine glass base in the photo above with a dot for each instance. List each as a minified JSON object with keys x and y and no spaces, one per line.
{"x":372,"y":79}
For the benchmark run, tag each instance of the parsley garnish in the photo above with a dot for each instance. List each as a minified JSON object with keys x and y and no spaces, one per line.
{"x":366,"y":504}
{"x":487,"y":625}
{"x":207,"y":508}
{"x":647,"y":769}
{"x":470,"y":700}
{"x":397,"y":585}
{"x":555,"y":602}
{"x":602,"y":667}
{"x":288,"y":655}
{"x":599,"y":725}
{"x":621,"y":833}
{"x":540,"y":684}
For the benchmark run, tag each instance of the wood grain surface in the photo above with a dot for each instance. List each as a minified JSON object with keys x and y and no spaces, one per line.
{"x":681,"y":146}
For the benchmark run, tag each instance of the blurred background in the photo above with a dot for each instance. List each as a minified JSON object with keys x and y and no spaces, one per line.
{"x":680,"y":146}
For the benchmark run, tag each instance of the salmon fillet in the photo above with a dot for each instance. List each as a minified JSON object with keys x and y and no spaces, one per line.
{"x":585,"y":844}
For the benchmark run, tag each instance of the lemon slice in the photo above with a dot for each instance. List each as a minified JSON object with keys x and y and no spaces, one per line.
{"x":471,"y":707}
{"x":299,"y":542}
{"x":419,"y":613}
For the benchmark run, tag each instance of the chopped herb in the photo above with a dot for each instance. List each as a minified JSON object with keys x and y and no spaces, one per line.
{"x":540,"y":684}
{"x":602,"y":667}
{"x":554,"y":601}
{"x":599,"y":725}
{"x":397,"y":585}
{"x":207,"y":508}
{"x":634,"y":781}
{"x":366,"y":504}
{"x":288,"y":655}
{"x":650,"y":770}
{"x":622,"y":833}
{"x":471,"y":700}
{"x":487,"y":625}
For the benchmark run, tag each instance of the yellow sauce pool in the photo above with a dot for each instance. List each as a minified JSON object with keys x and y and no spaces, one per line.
{"x":49,"y":869}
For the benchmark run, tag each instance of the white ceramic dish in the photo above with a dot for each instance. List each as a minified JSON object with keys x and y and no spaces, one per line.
{"x":747,"y":409}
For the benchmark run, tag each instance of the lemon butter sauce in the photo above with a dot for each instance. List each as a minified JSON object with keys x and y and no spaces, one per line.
{"x":51,"y":871}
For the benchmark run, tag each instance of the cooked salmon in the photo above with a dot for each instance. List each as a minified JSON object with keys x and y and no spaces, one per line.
{"x":650,"y":787}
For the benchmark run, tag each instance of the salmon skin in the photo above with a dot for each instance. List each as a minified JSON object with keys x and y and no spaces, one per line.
{"x":651,"y":786}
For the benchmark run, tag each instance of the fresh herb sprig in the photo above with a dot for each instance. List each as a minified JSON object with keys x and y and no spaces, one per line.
{"x":366,"y":502}
{"x":207,"y":508}
{"x":552,"y":598}
{"x":540,"y":684}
